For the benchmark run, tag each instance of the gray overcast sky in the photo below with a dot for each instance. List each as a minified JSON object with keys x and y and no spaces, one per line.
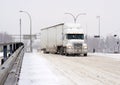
{"x":50,"y":12}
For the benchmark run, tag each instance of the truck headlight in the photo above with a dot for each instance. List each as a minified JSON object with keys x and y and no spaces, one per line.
{"x":69,"y":47}
{"x":85,"y":47}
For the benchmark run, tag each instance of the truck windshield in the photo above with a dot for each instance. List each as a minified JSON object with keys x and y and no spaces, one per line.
{"x":75,"y":36}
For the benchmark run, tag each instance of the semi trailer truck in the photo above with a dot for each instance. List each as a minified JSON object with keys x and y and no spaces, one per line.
{"x":64,"y":38}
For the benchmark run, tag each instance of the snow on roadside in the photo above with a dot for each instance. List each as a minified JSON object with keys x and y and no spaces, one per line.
{"x":35,"y":71}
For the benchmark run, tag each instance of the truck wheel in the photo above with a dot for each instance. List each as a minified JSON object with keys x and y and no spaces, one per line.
{"x":66,"y":54}
{"x":61,"y":51}
{"x":46,"y":52}
{"x":85,"y":54}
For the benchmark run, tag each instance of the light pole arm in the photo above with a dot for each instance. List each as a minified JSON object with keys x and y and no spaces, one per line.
{"x":72,"y":16}
{"x":75,"y":17}
{"x":79,"y":15}
{"x":29,"y":17}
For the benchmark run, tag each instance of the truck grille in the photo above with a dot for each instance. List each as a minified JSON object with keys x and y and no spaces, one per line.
{"x":77,"y":45}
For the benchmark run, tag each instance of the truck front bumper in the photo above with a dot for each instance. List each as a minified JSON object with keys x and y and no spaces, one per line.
{"x":76,"y":51}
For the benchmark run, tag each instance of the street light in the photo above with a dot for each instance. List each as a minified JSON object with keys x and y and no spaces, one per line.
{"x":75,"y":17}
{"x":30,"y":29}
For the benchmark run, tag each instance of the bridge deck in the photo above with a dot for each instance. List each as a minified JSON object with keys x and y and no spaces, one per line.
{"x":51,"y":69}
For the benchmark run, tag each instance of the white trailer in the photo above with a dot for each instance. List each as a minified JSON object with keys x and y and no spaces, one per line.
{"x":64,"y":39}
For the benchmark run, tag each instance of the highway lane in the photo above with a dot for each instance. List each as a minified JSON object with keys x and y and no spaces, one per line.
{"x":53,"y":69}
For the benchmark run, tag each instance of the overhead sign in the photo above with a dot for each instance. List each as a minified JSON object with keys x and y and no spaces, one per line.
{"x":97,"y":36}
{"x":28,"y":37}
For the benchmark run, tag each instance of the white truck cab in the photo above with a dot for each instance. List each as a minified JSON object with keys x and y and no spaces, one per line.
{"x":74,"y":39}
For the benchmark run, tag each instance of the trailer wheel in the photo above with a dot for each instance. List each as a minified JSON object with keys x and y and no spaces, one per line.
{"x":85,"y":54}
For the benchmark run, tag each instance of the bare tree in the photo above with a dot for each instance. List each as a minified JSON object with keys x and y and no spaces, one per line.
{"x":102,"y":44}
{"x":4,"y":38}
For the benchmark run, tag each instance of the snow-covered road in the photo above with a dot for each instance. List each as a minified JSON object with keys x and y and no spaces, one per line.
{"x":51,"y":69}
{"x":110,"y":55}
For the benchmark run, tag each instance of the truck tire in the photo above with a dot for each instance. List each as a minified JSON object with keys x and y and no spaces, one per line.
{"x":85,"y":54}
{"x":46,"y":52}
{"x":66,"y":54}
{"x":61,"y":50}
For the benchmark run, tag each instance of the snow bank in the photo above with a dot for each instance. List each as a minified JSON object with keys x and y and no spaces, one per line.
{"x":35,"y":71}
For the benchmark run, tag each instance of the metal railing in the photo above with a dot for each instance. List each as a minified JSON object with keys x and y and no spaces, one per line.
{"x":11,"y":64}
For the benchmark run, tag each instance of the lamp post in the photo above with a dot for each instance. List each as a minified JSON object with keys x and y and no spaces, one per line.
{"x":30,"y":29}
{"x":98,"y":17}
{"x":76,"y":17}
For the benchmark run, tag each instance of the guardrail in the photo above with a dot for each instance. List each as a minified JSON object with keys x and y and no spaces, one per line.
{"x":11,"y":64}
